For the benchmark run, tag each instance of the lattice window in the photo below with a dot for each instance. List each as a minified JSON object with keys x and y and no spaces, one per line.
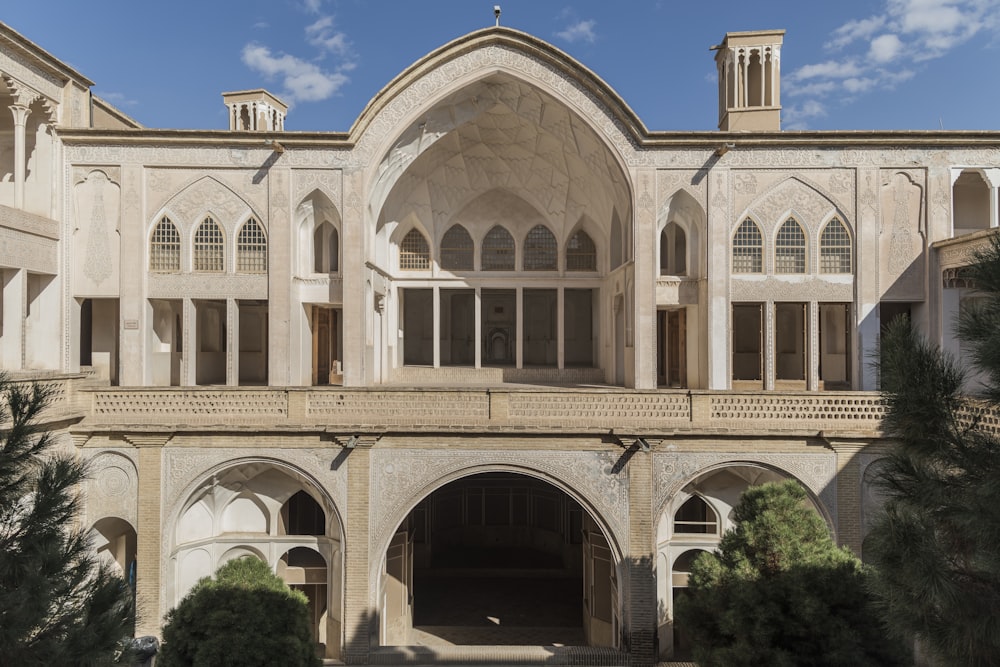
{"x":456,"y":249}
{"x":581,"y":254}
{"x":498,"y":250}
{"x":165,"y":247}
{"x":540,"y":250}
{"x":748,"y":248}
{"x":414,"y":253}
{"x":251,"y":248}
{"x":209,"y":247}
{"x":696,"y":517}
{"x":835,"y":248}
{"x":790,"y":248}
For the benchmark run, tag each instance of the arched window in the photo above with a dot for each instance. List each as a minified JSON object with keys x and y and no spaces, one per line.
{"x":835,"y":248}
{"x":498,"y":250}
{"x":581,"y":254}
{"x":251,"y":248}
{"x":209,"y":247}
{"x":790,"y":248}
{"x":673,"y":250}
{"x":165,"y":247}
{"x":326,"y":249}
{"x":695,"y":517}
{"x":414,"y":254}
{"x":540,"y":250}
{"x":748,"y":248}
{"x":456,"y":249}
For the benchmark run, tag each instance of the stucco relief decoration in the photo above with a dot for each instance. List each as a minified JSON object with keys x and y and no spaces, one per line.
{"x":400,"y":479}
{"x":745,"y":183}
{"x":112,"y":487}
{"x":326,"y":181}
{"x":668,"y":182}
{"x":436,"y":81}
{"x":792,"y":195}
{"x":184,"y":468}
{"x":672,"y":471}
{"x":98,"y":202}
{"x":901,"y":235}
{"x":208,"y":194}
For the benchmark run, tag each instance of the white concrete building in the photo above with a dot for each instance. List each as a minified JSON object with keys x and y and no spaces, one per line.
{"x":497,"y":329}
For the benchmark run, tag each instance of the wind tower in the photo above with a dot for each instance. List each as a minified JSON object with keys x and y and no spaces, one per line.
{"x":255,"y":111}
{"x":749,"y":65}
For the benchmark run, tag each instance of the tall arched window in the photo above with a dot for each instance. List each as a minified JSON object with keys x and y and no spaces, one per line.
{"x":456,"y":249}
{"x":326,"y":249}
{"x":251,"y":248}
{"x":209,"y":247}
{"x":748,"y":248}
{"x":414,"y":253}
{"x":673,"y":250}
{"x":540,"y":250}
{"x":165,"y":247}
{"x":835,"y":248}
{"x":498,"y":250}
{"x":790,"y":248}
{"x":581,"y":254}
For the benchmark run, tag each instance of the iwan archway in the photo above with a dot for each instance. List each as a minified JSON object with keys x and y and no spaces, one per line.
{"x":499,"y":558}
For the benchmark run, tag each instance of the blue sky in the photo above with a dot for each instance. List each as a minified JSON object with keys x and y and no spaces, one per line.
{"x":847,"y":65}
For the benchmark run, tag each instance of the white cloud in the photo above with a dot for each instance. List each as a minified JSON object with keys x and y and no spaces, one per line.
{"x":261,"y":25}
{"x":797,"y":117}
{"x":312,"y":6}
{"x":885,"y":48}
{"x":118,"y":99}
{"x":303,"y":81}
{"x":855,"y":30}
{"x":323,"y":36}
{"x":875,"y":46}
{"x":581,"y":31}
{"x":831,"y":69}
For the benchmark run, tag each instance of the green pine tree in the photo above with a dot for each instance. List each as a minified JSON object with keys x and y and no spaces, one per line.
{"x":779,"y":592}
{"x":936,"y":543}
{"x":57,"y":606}
{"x":245,"y":617}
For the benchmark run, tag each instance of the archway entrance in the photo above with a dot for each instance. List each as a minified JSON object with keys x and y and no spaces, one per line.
{"x":499,"y":559}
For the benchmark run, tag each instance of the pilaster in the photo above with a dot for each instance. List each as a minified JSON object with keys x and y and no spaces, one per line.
{"x":868,"y":290}
{"x":279,"y":266}
{"x":148,"y":532}
{"x":640,"y":603}
{"x":359,"y":611}
{"x":719,"y":224}
{"x":644,"y":308}
{"x":15,"y":312}
{"x":133,"y":322}
{"x":848,"y":519}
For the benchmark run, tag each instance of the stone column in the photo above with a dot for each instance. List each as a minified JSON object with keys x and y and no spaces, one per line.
{"x":189,"y":343}
{"x":561,"y":328}
{"x":354,"y":275}
{"x":20,"y":112}
{"x":360,"y":614}
{"x":233,"y":342}
{"x":868,"y":293}
{"x":479,"y":327}
{"x":640,"y":592}
{"x":279,"y":267}
{"x":717,"y":289}
{"x":148,"y":533}
{"x":134,"y":307}
{"x":644,"y":296}
{"x":435,"y":325}
{"x":519,"y":329}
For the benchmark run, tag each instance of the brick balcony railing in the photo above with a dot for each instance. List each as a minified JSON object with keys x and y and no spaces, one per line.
{"x":516,"y":409}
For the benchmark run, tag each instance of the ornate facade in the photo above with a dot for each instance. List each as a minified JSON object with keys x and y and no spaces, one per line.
{"x":497,"y":316}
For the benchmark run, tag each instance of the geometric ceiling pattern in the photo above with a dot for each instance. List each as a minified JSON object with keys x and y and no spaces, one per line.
{"x":500,"y":133}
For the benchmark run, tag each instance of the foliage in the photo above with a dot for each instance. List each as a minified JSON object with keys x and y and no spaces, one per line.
{"x":779,"y":592}
{"x":245,"y":617}
{"x":57,"y":605}
{"x":935,"y":543}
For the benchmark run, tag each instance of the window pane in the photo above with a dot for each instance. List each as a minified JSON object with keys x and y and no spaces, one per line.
{"x":540,"y":250}
{"x":498,"y":250}
{"x":209,"y":247}
{"x":165,"y":247}
{"x":581,"y":255}
{"x":835,"y":249}
{"x":414,"y":253}
{"x":748,"y":249}
{"x":456,"y":249}
{"x":251,"y":249}
{"x":790,"y":249}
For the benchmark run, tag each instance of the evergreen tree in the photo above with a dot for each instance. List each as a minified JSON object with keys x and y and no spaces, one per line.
{"x":57,"y":606}
{"x":936,"y":543}
{"x":245,"y":617}
{"x":779,"y":592}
